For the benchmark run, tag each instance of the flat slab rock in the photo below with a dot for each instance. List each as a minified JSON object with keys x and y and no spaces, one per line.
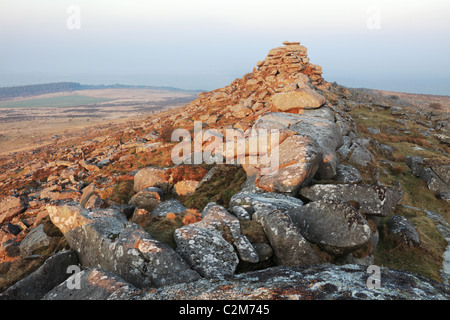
{"x":318,"y":282}
{"x":336,"y":227}
{"x":373,"y":199}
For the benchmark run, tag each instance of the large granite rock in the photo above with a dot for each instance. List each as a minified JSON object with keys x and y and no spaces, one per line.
{"x":336,"y":227}
{"x":289,"y":246}
{"x":402,"y":231}
{"x":299,"y":159}
{"x":44,"y":279}
{"x":318,"y":282}
{"x":104,"y":238}
{"x":303,"y":98}
{"x":152,"y":177}
{"x":373,"y":199}
{"x":214,"y":245}
{"x":91,"y":284}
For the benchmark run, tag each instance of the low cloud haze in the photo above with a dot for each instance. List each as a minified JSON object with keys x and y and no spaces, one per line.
{"x":401,"y":46}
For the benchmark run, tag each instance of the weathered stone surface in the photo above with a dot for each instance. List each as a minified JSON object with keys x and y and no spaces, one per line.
{"x":151,"y":177}
{"x":336,"y":227}
{"x":94,"y":202}
{"x":443,"y":171}
{"x":373,"y":199}
{"x":105,"y":238}
{"x":168,"y":206}
{"x":319,"y":125}
{"x":12,"y":206}
{"x":318,"y":282}
{"x":299,"y":159}
{"x":148,"y":147}
{"x":403,"y":231}
{"x":347,"y":174}
{"x":185,"y":187}
{"x":88,"y":191}
{"x":206,"y":251}
{"x":289,"y":246}
{"x":34,"y":240}
{"x":303,"y":98}
{"x":207,"y":245}
{"x":94,"y":284}
{"x":241,"y":213}
{"x":255,"y":201}
{"x":359,"y":155}
{"x":44,"y":279}
{"x":436,"y":176}
{"x":147,"y":199}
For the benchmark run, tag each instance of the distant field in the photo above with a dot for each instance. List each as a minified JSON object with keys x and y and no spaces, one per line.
{"x":58,"y":101}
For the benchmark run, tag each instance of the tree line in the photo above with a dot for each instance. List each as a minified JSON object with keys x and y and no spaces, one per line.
{"x":36,"y":89}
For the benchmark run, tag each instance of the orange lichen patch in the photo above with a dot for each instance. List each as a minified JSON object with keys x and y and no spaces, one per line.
{"x":186,"y":172}
{"x":225,"y":287}
{"x":191,"y":216}
{"x":171,"y":216}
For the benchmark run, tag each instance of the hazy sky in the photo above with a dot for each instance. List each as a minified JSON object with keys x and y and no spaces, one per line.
{"x":392,"y":45}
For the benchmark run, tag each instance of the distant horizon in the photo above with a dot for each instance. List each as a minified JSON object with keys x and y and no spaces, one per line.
{"x":96,"y":83}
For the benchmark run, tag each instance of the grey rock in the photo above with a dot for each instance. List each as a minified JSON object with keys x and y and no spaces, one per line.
{"x":299,"y":160}
{"x":396,"y":111}
{"x":328,"y":136}
{"x":289,"y":246}
{"x":165,"y":207}
{"x":373,"y":130}
{"x":241,"y":212}
{"x":94,"y":284}
{"x":373,"y":199}
{"x":317,"y":282}
{"x":359,"y":154}
{"x":415,"y":163}
{"x":44,"y":279}
{"x":336,"y":227}
{"x":34,"y":240}
{"x":260,"y":200}
{"x":265,"y":251}
{"x":403,"y":231}
{"x":214,"y":245}
{"x":152,"y":177}
{"x":147,"y":199}
{"x":443,"y":171}
{"x":347,"y":174}
{"x":434,"y":183}
{"x":206,"y":251}
{"x":104,"y":238}
{"x":216,"y":217}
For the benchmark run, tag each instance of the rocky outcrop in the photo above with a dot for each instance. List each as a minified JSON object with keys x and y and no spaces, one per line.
{"x":437,"y":176}
{"x":403,"y":231}
{"x":105,"y":238}
{"x":91,"y":284}
{"x":372,"y":199}
{"x":322,"y":282}
{"x":214,"y":245}
{"x":337,"y":227}
{"x":45,"y":278}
